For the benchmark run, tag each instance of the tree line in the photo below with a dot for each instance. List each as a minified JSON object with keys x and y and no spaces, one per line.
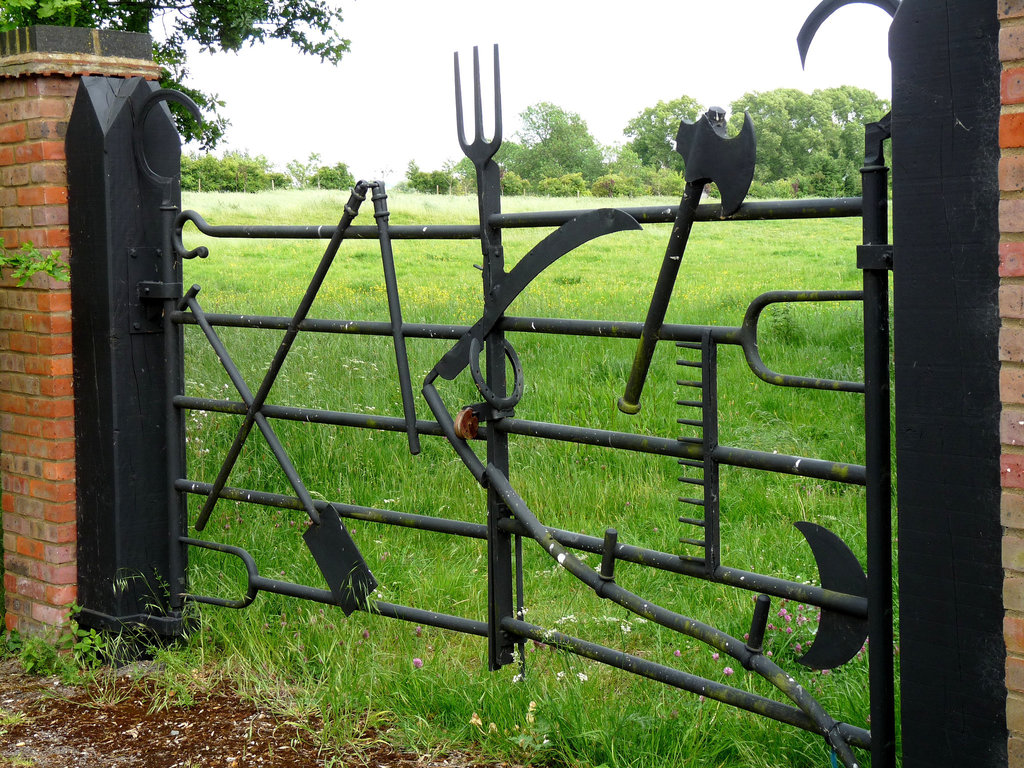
{"x":808,"y":145}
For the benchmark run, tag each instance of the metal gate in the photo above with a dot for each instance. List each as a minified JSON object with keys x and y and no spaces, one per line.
{"x":854,"y":605}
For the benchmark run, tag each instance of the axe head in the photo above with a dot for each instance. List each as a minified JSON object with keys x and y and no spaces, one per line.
{"x":711,"y":156}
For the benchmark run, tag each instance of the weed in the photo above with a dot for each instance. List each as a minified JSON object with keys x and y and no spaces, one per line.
{"x":27,"y":261}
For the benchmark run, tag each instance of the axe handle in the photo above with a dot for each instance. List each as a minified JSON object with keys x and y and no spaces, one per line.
{"x":630,"y":400}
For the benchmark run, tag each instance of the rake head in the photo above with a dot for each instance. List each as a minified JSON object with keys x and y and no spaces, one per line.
{"x":479,"y":150}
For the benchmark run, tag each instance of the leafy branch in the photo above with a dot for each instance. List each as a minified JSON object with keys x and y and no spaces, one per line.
{"x":27,"y":261}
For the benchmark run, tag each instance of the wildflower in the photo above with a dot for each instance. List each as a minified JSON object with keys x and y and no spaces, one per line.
{"x":417,"y":662}
{"x":560,"y":676}
{"x":492,"y":728}
{"x":475,"y":720}
{"x":582,"y":676}
{"x":715,"y":655}
{"x":366,"y":634}
{"x":727,"y":671}
{"x":418,"y":631}
{"x":677,"y":653}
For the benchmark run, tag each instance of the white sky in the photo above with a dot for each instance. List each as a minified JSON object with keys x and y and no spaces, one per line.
{"x":391,"y":100}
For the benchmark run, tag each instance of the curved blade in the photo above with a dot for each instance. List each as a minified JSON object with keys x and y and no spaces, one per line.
{"x":826,"y":9}
{"x":566,"y":238}
{"x":839,"y":636}
{"x":710,"y":157}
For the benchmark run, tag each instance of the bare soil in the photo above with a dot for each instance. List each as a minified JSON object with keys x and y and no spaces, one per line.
{"x":126,"y":722}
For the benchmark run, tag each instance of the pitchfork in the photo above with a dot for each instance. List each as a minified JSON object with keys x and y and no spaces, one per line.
{"x":479,"y":151}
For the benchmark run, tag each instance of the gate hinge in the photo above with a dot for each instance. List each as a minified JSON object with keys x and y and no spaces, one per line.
{"x":875,"y":256}
{"x":152,"y":290}
{"x":147,"y":310}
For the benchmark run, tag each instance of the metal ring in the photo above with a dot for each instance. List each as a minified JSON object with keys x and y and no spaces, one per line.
{"x":499,"y":403}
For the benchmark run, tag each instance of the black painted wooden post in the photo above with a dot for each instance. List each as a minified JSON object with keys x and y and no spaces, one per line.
{"x":129,"y":569}
{"x":945,"y":213}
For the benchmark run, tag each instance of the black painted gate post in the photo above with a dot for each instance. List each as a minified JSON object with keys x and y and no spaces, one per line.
{"x":131,"y":567}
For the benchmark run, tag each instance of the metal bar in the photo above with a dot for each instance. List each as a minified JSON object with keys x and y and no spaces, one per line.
{"x":257,"y":583}
{"x":737,"y":457}
{"x":878,"y":457}
{"x":350,"y":212}
{"x":823,"y":208}
{"x":312,"y":415}
{"x":712,"y":510}
{"x":257,"y":418}
{"x":380,"y":213}
{"x":711,"y":689}
{"x":705,"y":633}
{"x":355,"y":512}
{"x":732,"y":577}
{"x":548,"y":325}
{"x":320,"y":232}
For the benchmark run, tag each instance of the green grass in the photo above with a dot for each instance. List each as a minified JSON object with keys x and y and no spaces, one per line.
{"x":358,"y":671}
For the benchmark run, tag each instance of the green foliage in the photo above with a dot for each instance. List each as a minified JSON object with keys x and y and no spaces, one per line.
{"x":442,"y":182}
{"x":514,"y":184}
{"x":27,"y":261}
{"x":38,"y":657}
{"x":553,"y":143}
{"x":234,"y":172}
{"x":310,"y":26}
{"x":569,"y":185}
{"x":653,"y":132}
{"x":336,"y":176}
{"x":817,"y":138}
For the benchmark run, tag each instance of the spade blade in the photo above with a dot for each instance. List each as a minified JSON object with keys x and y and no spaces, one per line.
{"x":340,"y":561}
{"x":839,"y":635}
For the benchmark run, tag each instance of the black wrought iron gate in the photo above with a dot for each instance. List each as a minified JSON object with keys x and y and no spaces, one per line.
{"x":854,"y":605}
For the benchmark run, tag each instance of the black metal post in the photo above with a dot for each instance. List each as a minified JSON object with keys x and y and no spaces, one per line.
{"x":875,"y":260}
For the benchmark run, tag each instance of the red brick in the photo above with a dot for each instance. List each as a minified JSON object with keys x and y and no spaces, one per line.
{"x":30,"y":548}
{"x":46,"y":129}
{"x":52,"y":490}
{"x":59,"y":554}
{"x":29,"y":153}
{"x":58,"y":574}
{"x":6,"y":155}
{"x":61,"y":470}
{"x":50,"y":216}
{"x":30,"y":589}
{"x":1011,"y":344}
{"x":1011,"y":263}
{"x":49,"y":173}
{"x":64,"y":595}
{"x":1012,"y":85}
{"x":1013,"y":632}
{"x":51,"y":615}
{"x":1011,"y":42}
{"x":1010,"y":8}
{"x":1012,"y":472}
{"x":60,"y":301}
{"x":1011,"y":212}
{"x":15,"y":176}
{"x":63,"y":386}
{"x":54,"y":345}
{"x":49,"y":366}
{"x":12,"y":133}
{"x":31,"y":196}
{"x":60,"y":513}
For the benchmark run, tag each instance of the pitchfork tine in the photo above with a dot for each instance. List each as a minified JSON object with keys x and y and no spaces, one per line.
{"x":479,"y":150}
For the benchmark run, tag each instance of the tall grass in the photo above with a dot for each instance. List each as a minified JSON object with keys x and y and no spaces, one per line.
{"x":359,"y":672}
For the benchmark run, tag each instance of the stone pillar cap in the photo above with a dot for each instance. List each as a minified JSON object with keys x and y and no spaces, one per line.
{"x":47,"y":50}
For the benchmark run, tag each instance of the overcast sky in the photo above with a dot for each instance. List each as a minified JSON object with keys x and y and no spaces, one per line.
{"x":391,"y":100}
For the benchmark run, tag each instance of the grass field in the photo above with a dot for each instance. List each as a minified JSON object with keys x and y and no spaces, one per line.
{"x":431,"y":687}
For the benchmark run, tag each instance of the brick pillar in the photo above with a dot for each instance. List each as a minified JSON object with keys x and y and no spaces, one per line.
{"x":1011,"y":355}
{"x":39,"y":72}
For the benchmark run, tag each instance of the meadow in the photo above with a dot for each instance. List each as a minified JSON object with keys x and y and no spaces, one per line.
{"x":428,"y":688}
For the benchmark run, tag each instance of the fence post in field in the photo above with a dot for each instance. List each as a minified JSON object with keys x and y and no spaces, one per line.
{"x":72,"y":458}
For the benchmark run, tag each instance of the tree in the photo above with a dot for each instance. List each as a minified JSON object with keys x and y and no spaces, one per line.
{"x":216,"y":25}
{"x":551,"y":144}
{"x":653,"y":132}
{"x":336,"y":176}
{"x":816,"y":139}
